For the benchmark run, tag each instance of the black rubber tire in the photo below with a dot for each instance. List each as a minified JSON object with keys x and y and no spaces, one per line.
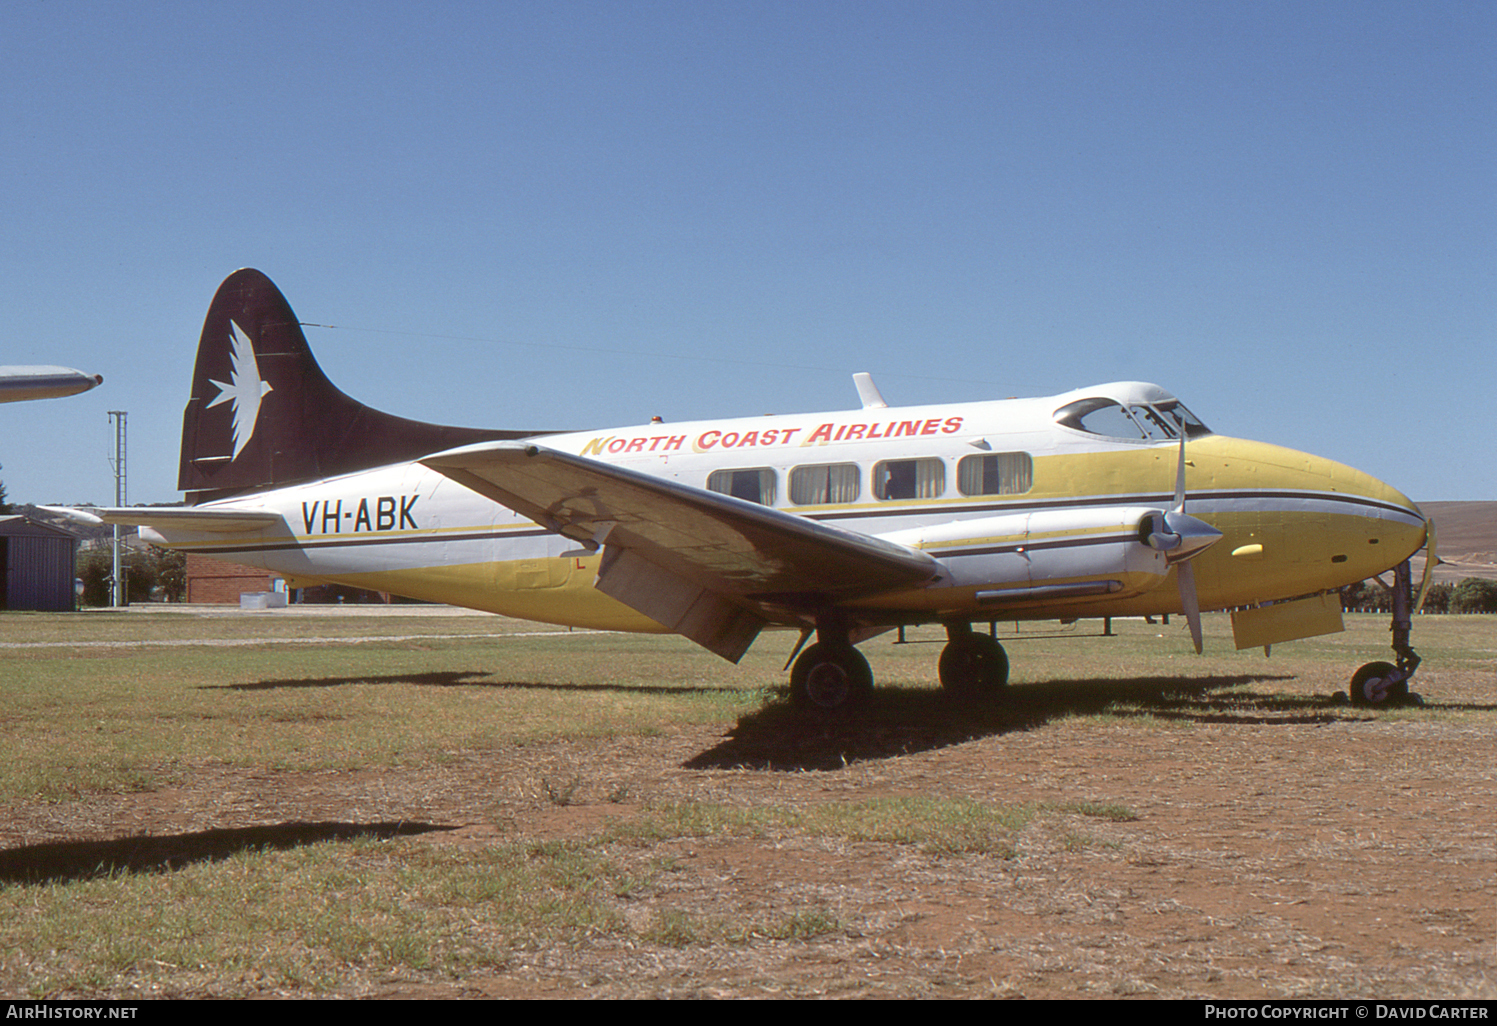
{"x":973,"y":666}
{"x":1369,"y":686}
{"x":832,"y":678}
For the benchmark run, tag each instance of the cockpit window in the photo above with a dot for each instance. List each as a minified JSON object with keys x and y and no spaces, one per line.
{"x":1183,"y":418}
{"x":1155,"y":426}
{"x":1098,"y":417}
{"x":1155,"y":422}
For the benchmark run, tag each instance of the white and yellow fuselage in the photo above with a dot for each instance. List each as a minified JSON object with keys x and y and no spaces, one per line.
{"x":1055,"y":509}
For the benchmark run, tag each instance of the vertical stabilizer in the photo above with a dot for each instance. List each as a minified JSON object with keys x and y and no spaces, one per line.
{"x":262,"y":413}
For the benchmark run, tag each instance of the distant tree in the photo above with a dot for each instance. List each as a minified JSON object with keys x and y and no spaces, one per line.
{"x":171,"y":573}
{"x":140,"y":575}
{"x":1364,"y":597}
{"x":1438,"y":598}
{"x":5,"y":507}
{"x":93,"y":569}
{"x":1474,"y":595}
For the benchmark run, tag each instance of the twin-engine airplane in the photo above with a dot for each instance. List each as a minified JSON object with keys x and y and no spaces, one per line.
{"x":1104,"y":502}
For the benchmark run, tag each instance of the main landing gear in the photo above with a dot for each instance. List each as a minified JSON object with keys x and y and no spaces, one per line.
{"x":833,"y":676}
{"x":1387,"y":684}
{"x":972,"y":665}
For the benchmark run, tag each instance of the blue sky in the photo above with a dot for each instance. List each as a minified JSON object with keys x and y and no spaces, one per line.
{"x":579,"y":214}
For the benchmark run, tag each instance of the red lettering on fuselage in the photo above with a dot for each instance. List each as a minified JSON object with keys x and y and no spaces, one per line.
{"x":881,"y":430}
{"x":775,"y":437}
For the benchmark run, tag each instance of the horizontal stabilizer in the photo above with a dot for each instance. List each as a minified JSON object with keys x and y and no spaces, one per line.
{"x":180,"y":518}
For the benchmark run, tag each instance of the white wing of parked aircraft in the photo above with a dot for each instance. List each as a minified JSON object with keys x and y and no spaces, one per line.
{"x":1112,"y":500}
{"x":18,"y":384}
{"x":715,"y":568}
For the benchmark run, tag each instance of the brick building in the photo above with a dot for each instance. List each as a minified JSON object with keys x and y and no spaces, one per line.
{"x":216,"y":581}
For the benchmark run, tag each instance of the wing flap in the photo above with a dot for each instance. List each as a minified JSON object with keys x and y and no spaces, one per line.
{"x":718,"y":624}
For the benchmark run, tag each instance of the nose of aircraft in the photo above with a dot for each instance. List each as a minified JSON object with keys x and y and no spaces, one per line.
{"x":1390,"y":520}
{"x":1337,"y":523}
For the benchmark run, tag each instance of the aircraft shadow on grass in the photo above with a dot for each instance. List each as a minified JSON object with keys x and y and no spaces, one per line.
{"x":467,"y":679}
{"x":901,"y":721}
{"x":68,"y":861}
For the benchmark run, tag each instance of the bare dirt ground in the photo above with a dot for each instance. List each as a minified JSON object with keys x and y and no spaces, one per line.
{"x":1277,"y":851}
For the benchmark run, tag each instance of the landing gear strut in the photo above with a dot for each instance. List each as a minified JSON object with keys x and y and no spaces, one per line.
{"x":1387,"y":684}
{"x":972,"y":665}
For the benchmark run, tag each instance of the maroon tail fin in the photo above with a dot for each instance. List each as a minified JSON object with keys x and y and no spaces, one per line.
{"x":262,"y":413}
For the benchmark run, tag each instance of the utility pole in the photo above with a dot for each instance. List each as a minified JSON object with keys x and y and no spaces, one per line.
{"x":118,"y":462}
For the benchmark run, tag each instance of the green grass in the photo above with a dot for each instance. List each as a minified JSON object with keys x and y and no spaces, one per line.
{"x":85,"y":719}
{"x":301,"y":919}
{"x":315,"y":917}
{"x":82,"y":719}
{"x":77,"y":720}
{"x":936,"y":826}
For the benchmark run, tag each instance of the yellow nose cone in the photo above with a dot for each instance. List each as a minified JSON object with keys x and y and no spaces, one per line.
{"x":1294,"y":524}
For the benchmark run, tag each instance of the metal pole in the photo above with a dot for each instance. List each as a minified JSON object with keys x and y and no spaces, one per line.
{"x":118,"y":416}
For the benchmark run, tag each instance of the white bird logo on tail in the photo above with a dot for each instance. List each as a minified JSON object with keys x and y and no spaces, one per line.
{"x":244,"y":389}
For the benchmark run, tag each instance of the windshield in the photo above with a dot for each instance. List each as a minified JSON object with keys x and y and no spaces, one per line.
{"x":1156,"y":422}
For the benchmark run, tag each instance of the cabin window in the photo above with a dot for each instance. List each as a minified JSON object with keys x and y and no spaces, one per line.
{"x":909,"y":479}
{"x":997,"y":473}
{"x":756,"y":484}
{"x":825,"y":483}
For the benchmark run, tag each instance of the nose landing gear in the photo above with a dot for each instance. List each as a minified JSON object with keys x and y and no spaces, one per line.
{"x":1387,"y":684}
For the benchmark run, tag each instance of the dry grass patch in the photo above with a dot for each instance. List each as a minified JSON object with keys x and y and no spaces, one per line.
{"x":628,"y":816}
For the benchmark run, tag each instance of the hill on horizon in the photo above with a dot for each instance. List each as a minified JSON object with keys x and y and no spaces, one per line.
{"x":1465,"y":539}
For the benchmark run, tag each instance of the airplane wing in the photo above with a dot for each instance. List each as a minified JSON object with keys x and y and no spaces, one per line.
{"x":18,"y":384}
{"x":709,"y":566}
{"x":182,"y":518}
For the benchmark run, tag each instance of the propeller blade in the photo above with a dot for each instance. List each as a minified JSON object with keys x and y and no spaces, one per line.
{"x":1183,"y":536}
{"x":1187,"y":580}
{"x":1179,"y":506}
{"x":1431,"y":560}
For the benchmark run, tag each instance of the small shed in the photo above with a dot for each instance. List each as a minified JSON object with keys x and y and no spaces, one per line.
{"x":37,"y":566}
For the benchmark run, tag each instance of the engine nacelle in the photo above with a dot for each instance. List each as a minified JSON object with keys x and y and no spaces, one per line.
{"x":1047,"y":554}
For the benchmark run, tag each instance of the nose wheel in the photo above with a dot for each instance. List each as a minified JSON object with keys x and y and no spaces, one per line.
{"x":1379,"y":684}
{"x":1383,"y":683}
